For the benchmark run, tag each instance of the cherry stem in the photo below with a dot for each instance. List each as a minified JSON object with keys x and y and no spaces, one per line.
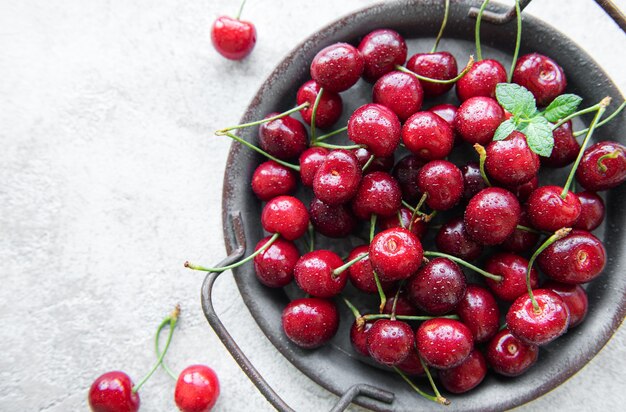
{"x":400,"y":222}
{"x":479,"y":18}
{"x":601,"y":107}
{"x":326,"y":136}
{"x":239,"y":263}
{"x":395,"y":301}
{"x":374,"y":316}
{"x":346,"y":265}
{"x":157,"y":349}
{"x":468,"y":265}
{"x":171,"y":319}
{"x":502,"y":327}
{"x":482,"y":153}
{"x":589,"y":109}
{"x":440,"y":399}
{"x":518,"y":40}
{"x":468,"y":66}
{"x":528,"y":229}
{"x":417,"y":208}
{"x":261,"y":151}
{"x":613,"y":155}
{"x":412,"y":209}
{"x":415,"y":388}
{"x":381,"y":292}
{"x":373,"y":226}
{"x":559,"y":234}
{"x":311,"y":238}
{"x":605,"y":121}
{"x":443,"y":26}
{"x":266,"y":120}
{"x":336,"y":146}
{"x":353,"y":309}
{"x":369,"y":162}
{"x":314,"y":114}
{"x":240,"y":9}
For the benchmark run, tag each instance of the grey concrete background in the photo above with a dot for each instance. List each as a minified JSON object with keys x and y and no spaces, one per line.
{"x":110,"y":179}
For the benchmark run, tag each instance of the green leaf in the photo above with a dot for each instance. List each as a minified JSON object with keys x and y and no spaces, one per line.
{"x":516,"y":99}
{"x":539,"y":135}
{"x":504,"y":130}
{"x":561,"y":107}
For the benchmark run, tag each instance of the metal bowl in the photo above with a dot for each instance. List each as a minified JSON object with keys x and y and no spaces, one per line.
{"x":335,"y":366}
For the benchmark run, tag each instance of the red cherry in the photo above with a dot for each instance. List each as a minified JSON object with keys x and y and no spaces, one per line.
{"x":509,"y":356}
{"x":492,"y":216}
{"x":481,"y":80}
{"x":378,"y":194}
{"x":453,"y":239}
{"x":285,"y":215}
{"x":377,"y":127}
{"x":197,"y":389}
{"x":405,"y":172}
{"x":513,"y":269}
{"x":404,"y":306}
{"x":548,"y":211}
{"x":284,"y":138}
{"x":314,"y":274}
{"x":565,"y":148}
{"x":479,"y":311}
{"x":443,"y":182}
{"x":477,"y":119}
{"x":510,"y":161}
{"x":329,"y":107}
{"x":439,"y":65}
{"x":361,"y":273}
{"x":274,"y":266}
{"x":233,"y":38}
{"x":591,"y":212}
{"x":577,"y":258}
{"x":311,"y":160}
{"x":418,"y":226}
{"x":390,"y":341}
{"x":310,"y":322}
{"x":112,"y":392}
{"x":337,"y":67}
{"x":467,"y":375}
{"x":438,"y":286}
{"x":541,"y":75}
{"x":395,"y":254}
{"x":382,"y":50}
{"x":473,"y":181}
{"x":271,"y":179}
{"x":337,"y":179}
{"x":595,"y":173}
{"x":428,"y":136}
{"x":523,"y":191}
{"x":575,"y":299}
{"x":358,"y":337}
{"x":443,"y":343}
{"x":411,"y":365}
{"x":379,"y":164}
{"x":400,"y":92}
{"x":332,"y":221}
{"x":542,"y":326}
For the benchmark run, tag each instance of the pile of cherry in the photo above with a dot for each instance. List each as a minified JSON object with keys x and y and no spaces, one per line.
{"x":429,"y":317}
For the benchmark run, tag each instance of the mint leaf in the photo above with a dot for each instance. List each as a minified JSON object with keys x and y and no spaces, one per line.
{"x":561,"y":107}
{"x":504,"y":130}
{"x":539,"y":135}
{"x":516,"y":99}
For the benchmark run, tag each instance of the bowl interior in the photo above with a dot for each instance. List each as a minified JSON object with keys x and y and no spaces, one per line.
{"x":336,"y":366}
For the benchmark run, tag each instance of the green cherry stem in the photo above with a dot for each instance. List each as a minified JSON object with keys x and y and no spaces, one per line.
{"x":613,"y":155}
{"x":240,"y":9}
{"x":379,"y":286}
{"x":443,"y":26}
{"x":353,"y":309}
{"x":395,"y":300}
{"x":373,"y":226}
{"x":368,"y":163}
{"x":171,"y":320}
{"x":440,"y":399}
{"x":326,"y":136}
{"x":468,"y":265}
{"x":528,"y":229}
{"x":482,"y":153}
{"x":257,"y":122}
{"x":261,"y":151}
{"x":416,"y":389}
{"x":468,"y":66}
{"x":239,"y":263}
{"x":346,"y":265}
{"x":605,"y":121}
{"x":335,"y":146}
{"x":417,"y":209}
{"x":559,"y":234}
{"x":518,"y":39}
{"x":157,"y":347}
{"x":311,"y":231}
{"x":600,"y":110}
{"x":400,"y":222}
{"x":374,"y":316}
{"x":479,"y":54}
{"x":314,"y":114}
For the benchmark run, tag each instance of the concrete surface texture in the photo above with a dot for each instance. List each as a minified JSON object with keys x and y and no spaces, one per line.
{"x":110,"y":179}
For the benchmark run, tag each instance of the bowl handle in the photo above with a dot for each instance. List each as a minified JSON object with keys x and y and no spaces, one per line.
{"x":241,"y":359}
{"x":502,"y":18}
